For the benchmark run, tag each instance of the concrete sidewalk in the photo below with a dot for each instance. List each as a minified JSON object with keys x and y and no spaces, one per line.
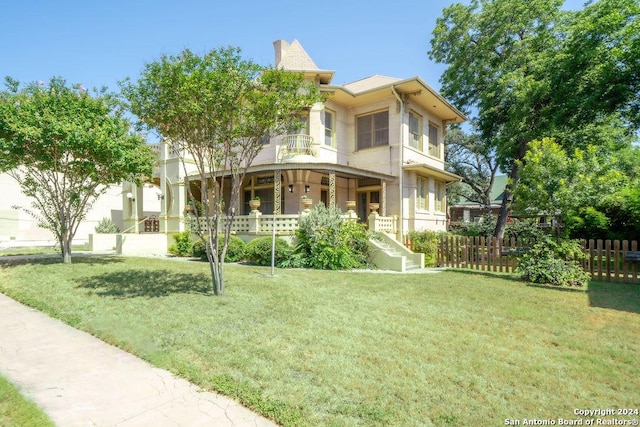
{"x":79,"y":380}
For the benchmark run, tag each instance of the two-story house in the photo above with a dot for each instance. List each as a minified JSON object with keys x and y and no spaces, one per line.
{"x":378,"y":142}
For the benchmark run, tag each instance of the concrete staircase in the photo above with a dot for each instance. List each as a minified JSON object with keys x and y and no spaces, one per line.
{"x":389,"y":254}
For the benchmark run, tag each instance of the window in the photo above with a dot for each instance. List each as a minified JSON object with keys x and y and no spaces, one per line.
{"x":422,"y":196}
{"x":329,"y":128}
{"x":415,"y":131}
{"x":434,"y":148}
{"x":440,"y":196}
{"x":300,"y":125}
{"x":372,"y":130}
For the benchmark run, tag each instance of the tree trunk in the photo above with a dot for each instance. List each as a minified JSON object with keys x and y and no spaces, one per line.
{"x":509,"y":190}
{"x":65,"y":245}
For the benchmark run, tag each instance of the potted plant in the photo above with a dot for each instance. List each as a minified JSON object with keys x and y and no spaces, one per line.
{"x":189,"y":208}
{"x":254,"y":203}
{"x":306,"y":202}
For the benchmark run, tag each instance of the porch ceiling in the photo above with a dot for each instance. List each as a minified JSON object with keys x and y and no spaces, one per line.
{"x":432,"y":171}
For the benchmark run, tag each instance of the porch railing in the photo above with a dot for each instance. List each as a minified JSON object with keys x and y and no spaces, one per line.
{"x":256,"y":223}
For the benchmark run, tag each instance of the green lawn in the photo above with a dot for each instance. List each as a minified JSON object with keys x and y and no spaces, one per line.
{"x":342,"y":348}
{"x":15,"y":410}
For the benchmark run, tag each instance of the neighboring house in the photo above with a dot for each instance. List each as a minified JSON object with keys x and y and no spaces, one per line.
{"x":18,"y":228}
{"x":377,"y":141}
{"x":466,"y":211}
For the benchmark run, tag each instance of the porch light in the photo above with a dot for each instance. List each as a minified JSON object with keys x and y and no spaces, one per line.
{"x":290,"y":188}
{"x":158,"y":193}
{"x":130,"y":197}
{"x":307,"y":188}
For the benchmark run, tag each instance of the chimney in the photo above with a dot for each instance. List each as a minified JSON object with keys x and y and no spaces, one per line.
{"x":281,"y":47}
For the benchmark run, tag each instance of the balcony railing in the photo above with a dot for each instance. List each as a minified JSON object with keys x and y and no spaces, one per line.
{"x":297,"y":144}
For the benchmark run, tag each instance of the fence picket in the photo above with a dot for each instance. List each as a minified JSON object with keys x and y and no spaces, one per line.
{"x":605,"y":259}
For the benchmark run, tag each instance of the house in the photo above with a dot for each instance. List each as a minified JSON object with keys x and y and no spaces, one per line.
{"x":466,"y":211}
{"x":377,"y":142}
{"x":18,"y":228}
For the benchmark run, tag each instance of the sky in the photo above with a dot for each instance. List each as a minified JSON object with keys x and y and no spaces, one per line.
{"x":98,"y":43}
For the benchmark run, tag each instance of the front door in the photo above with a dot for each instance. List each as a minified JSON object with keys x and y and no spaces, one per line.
{"x":364,"y":198}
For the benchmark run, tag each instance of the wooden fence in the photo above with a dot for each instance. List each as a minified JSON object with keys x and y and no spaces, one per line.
{"x":606,"y":260}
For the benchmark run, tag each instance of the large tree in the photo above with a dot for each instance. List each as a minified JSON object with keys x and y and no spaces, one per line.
{"x":529,"y":70}
{"x":64,"y":146}
{"x":215,"y":109}
{"x":471,"y":158}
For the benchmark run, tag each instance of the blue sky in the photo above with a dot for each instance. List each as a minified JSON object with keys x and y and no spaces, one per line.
{"x":101,"y":42}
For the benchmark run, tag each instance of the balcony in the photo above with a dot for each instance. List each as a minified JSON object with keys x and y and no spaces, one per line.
{"x":296,"y":145}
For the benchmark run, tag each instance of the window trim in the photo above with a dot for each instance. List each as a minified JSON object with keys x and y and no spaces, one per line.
{"x":372,"y":129}
{"x":422,"y":200}
{"x":440,"y":204}
{"x":436,"y":145}
{"x":332,"y":129}
{"x":418,"y":144}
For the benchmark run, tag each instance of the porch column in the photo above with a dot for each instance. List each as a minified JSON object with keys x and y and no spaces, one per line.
{"x":332,"y":189}
{"x":277,"y":192}
{"x":384,"y":198}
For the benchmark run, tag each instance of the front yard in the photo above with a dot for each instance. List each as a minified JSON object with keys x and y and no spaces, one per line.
{"x":346,"y":348}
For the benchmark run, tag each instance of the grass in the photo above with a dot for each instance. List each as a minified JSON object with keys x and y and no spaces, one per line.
{"x":339,"y":348}
{"x":15,"y":410}
{"x":36,"y":250}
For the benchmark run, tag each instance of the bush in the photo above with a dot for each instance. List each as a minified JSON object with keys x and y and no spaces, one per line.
{"x":106,"y":226}
{"x":235,"y":250}
{"x":554,"y":262}
{"x":525,"y":231}
{"x":484,"y":227}
{"x":425,"y":242}
{"x":183,"y":245}
{"x":326,"y":241}
{"x":258,"y":251}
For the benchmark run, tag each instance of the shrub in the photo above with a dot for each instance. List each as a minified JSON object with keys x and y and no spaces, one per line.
{"x":235,"y":250}
{"x":183,"y":245}
{"x":258,"y":251}
{"x":484,"y":227}
{"x":425,"y":242}
{"x":554,"y":262}
{"x":525,"y":231}
{"x":107,"y":226}
{"x":326,"y":241}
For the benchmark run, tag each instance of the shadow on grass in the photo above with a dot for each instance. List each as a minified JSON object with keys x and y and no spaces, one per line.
{"x":616,"y":296}
{"x":492,"y":274}
{"x":146,"y":283}
{"x":48,"y":259}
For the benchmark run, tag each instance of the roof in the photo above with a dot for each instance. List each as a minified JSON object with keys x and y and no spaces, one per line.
{"x":293,"y":57}
{"x":369,"y":83}
{"x":497,"y":191}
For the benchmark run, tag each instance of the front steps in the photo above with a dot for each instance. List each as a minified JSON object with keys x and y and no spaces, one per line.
{"x":387,"y":253}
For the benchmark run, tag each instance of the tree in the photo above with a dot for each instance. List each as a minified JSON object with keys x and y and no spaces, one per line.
{"x":471,"y":158}
{"x":530,"y":70}
{"x":216,"y":109}
{"x":64,"y":146}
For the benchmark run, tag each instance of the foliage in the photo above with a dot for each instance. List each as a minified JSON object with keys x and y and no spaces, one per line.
{"x":474,"y":160}
{"x":216,"y":108}
{"x":63,"y":146}
{"x":235,"y":251}
{"x":482,"y":228}
{"x":425,"y":242}
{"x":107,"y":226}
{"x":324,"y":240}
{"x":554,"y":262}
{"x":587,"y":189}
{"x":525,"y":231}
{"x":258,"y":251}
{"x":183,"y":244}
{"x":530,"y":70}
